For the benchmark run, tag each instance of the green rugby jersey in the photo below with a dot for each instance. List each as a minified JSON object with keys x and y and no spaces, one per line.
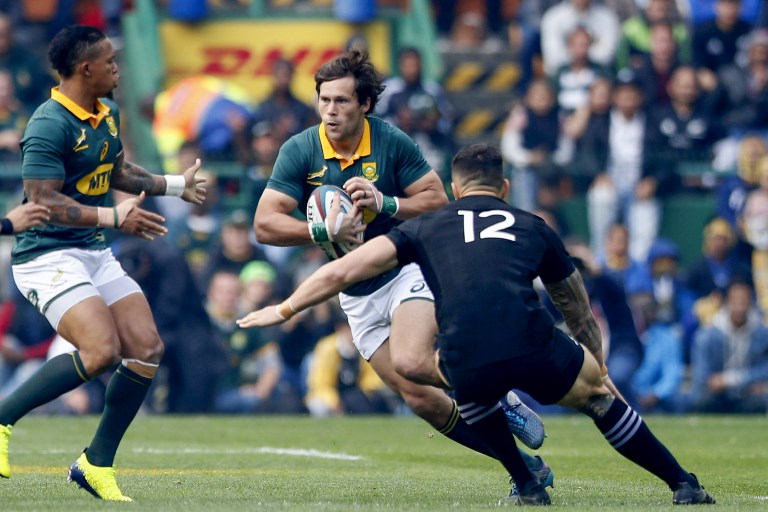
{"x":385,"y":156}
{"x":63,"y":141}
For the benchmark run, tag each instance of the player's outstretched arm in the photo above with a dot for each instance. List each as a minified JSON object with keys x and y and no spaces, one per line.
{"x":131,"y":178}
{"x":372,"y":258}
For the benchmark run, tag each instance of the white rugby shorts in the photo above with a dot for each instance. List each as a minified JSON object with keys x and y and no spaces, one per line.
{"x":58,"y":280}
{"x":370,"y":316}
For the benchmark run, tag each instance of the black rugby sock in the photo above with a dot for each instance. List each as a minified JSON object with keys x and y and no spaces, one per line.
{"x":125,"y":393}
{"x":628,"y":434}
{"x":57,"y":376}
{"x":457,"y":430}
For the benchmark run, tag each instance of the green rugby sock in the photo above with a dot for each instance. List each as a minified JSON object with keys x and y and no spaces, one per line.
{"x":125,"y":393}
{"x":57,"y":376}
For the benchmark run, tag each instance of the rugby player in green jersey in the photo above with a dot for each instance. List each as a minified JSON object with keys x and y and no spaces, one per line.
{"x":392,"y":316}
{"x":71,"y":157}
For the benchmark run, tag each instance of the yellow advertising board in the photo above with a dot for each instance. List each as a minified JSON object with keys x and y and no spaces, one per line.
{"x":243,"y":51}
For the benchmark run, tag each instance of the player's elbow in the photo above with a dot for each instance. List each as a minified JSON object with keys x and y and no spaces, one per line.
{"x":262,"y":231}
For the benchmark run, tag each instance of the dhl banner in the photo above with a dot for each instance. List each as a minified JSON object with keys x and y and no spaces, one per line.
{"x":243,"y":51}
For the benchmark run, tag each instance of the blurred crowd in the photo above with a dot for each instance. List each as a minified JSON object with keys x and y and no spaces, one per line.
{"x":621,"y":102}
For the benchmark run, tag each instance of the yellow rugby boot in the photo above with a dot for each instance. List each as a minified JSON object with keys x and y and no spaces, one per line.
{"x":5,"y":437}
{"x":99,"y":481}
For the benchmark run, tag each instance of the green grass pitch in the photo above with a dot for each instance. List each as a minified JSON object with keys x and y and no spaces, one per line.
{"x":294,"y":463}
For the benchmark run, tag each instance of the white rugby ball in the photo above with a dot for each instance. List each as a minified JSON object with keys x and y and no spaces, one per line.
{"x":318,"y":206}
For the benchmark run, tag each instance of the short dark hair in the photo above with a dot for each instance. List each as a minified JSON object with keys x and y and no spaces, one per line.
{"x":369,"y":83}
{"x":71,"y":46}
{"x":479,"y":165}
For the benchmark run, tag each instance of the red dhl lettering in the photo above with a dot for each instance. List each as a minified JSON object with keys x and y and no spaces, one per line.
{"x":229,"y":61}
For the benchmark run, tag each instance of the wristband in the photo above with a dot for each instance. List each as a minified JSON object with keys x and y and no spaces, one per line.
{"x":174,"y":185}
{"x":7,"y":227}
{"x":107,"y":217}
{"x":390,"y":205}
{"x":318,"y":232}
{"x":285,"y":310}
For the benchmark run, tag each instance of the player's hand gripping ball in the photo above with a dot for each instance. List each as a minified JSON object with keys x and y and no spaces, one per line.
{"x":318,"y":208}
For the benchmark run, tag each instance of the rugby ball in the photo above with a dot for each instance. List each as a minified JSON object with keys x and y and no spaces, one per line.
{"x":318,"y":206}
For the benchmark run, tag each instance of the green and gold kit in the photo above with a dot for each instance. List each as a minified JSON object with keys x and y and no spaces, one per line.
{"x":385,"y":156}
{"x":63,"y":141}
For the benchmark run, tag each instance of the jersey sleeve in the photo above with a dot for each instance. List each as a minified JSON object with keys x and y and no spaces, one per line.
{"x":404,"y":238}
{"x":43,"y":150}
{"x":289,"y":171}
{"x":411,"y":162}
{"x":555,"y":263}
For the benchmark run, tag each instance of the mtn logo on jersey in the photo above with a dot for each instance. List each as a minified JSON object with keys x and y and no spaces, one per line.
{"x":370,"y":172}
{"x":96,"y":183}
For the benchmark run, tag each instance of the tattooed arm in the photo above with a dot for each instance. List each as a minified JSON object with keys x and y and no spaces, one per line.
{"x":64,"y":210}
{"x":570,"y":298}
{"x":134,"y":179}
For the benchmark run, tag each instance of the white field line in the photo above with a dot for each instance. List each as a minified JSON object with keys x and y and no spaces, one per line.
{"x":264,"y":450}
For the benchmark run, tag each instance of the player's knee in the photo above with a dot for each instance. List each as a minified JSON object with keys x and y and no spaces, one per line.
{"x":597,"y":406}
{"x":143,"y":343}
{"x":100,"y":357}
{"x":414,"y":368}
{"x":426,"y":402}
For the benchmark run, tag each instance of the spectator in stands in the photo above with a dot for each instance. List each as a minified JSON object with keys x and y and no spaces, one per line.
{"x":717,"y":42}
{"x":719,"y":263}
{"x":561,"y":19}
{"x":656,"y":383}
{"x":699,"y":11}
{"x":534,"y":146}
{"x":201,"y":109}
{"x":341,"y":382}
{"x":743,"y":93}
{"x":32,"y":81}
{"x":573,"y":80}
{"x":682,"y":131}
{"x":655,"y":69}
{"x":617,"y":262}
{"x":258,"y":281}
{"x":619,"y":192}
{"x":588,"y":128}
{"x":733,"y":190}
{"x":287,"y":114}
{"x":399,"y":90}
{"x":670,"y":294}
{"x":754,"y":222}
{"x":12,"y":122}
{"x":636,"y":33}
{"x":234,"y":248}
{"x":249,"y":382}
{"x":420,"y":119}
{"x":265,"y":145}
{"x":729,"y":359}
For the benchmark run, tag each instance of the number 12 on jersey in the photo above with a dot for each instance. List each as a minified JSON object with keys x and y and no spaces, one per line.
{"x":495,"y":230}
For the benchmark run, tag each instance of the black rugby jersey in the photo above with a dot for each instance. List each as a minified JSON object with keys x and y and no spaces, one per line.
{"x":480,"y":257}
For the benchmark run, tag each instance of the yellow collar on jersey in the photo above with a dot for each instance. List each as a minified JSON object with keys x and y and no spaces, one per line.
{"x":78,"y":111}
{"x":363,"y":149}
